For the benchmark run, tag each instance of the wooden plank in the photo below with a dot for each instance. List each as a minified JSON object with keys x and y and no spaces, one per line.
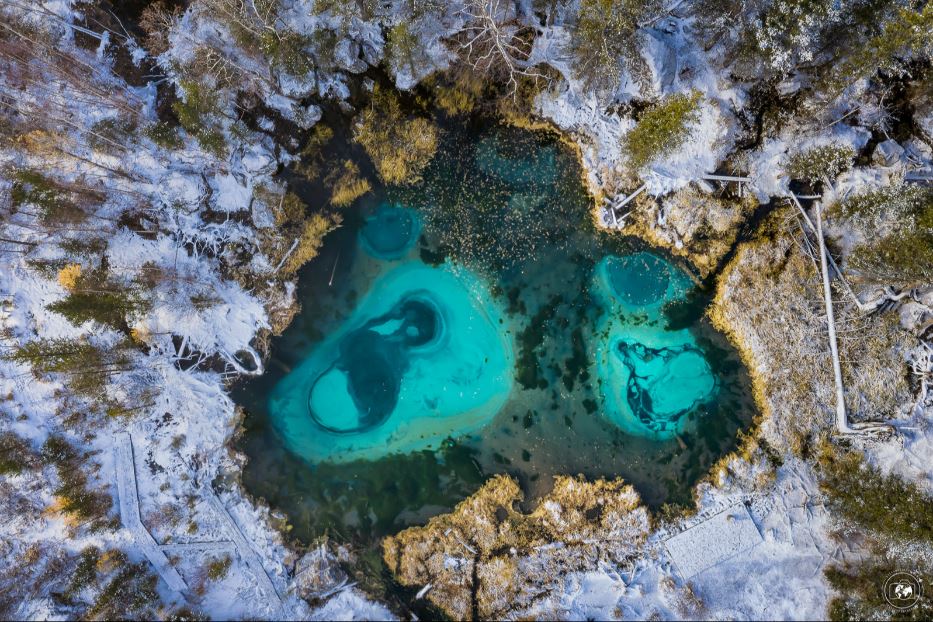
{"x":737,"y":178}
{"x":246,"y":551}
{"x":629,"y":198}
{"x":713,"y":541}
{"x":130,"y":517}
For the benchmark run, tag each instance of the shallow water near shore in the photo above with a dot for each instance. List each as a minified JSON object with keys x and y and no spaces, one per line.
{"x":477,"y":323}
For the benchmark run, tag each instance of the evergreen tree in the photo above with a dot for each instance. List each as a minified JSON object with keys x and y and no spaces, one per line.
{"x":662,"y":129}
{"x":604,"y":40}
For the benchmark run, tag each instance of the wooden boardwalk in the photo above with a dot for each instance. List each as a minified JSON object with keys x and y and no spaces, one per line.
{"x":613,"y":205}
{"x":130,"y":516}
{"x":242,"y":544}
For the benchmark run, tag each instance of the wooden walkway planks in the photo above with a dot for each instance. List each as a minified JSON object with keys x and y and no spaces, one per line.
{"x":242,"y":544}
{"x":130,"y":516}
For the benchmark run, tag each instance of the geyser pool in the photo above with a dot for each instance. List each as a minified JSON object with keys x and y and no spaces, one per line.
{"x":420,"y":359}
{"x":473,"y":323}
{"x":651,"y":377}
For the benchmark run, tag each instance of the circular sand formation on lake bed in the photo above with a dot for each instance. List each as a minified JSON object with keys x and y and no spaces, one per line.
{"x":420,"y":359}
{"x":390,"y":232}
{"x":651,"y":378}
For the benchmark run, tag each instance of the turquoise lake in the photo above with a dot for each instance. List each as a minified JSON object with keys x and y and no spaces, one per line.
{"x":477,"y":323}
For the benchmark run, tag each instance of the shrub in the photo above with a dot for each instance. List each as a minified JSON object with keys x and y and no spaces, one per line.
{"x":164,"y":135}
{"x":460,"y":95}
{"x":899,"y":221}
{"x":69,"y":275}
{"x":886,"y":504}
{"x":863,"y":597}
{"x":662,"y":129}
{"x":348,"y":185}
{"x":194,"y":114}
{"x":55,"y":204}
{"x":15,"y":454}
{"x":218,"y":569}
{"x":400,"y":145}
{"x":401,"y":46}
{"x":85,"y":574}
{"x":907,"y":31}
{"x":309,"y":241}
{"x":313,"y":155}
{"x":811,"y":165}
{"x":132,"y":591}
{"x":286,"y":50}
{"x":604,"y":37}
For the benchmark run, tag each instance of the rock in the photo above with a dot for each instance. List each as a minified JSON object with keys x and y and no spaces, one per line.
{"x":888,"y":153}
{"x":488,"y":558}
{"x":704,"y":186}
{"x":789,"y":86}
{"x":319,"y":574}
{"x":306,"y":116}
{"x":348,"y":54}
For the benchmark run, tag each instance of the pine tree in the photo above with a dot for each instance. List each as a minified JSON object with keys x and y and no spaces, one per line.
{"x":662,"y":129}
{"x":604,"y":40}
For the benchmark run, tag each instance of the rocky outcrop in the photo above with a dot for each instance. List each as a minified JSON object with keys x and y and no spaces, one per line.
{"x":487,"y":560}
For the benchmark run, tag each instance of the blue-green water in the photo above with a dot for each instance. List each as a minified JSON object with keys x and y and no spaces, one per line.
{"x":421,"y":358}
{"x":477,"y":323}
{"x":651,"y":377}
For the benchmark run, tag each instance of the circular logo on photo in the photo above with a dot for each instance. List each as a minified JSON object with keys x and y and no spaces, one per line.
{"x":902,"y":590}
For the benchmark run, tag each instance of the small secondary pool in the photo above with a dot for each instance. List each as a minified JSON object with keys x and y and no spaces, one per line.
{"x":476,"y":323}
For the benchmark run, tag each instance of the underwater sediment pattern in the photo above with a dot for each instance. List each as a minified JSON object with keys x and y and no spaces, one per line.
{"x":420,"y":359}
{"x":650,"y":377}
{"x":477,"y":322}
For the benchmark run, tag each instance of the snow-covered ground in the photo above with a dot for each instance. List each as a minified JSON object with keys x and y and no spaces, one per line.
{"x":182,"y":419}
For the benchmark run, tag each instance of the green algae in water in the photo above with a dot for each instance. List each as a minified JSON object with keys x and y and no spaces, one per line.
{"x":569,"y":315}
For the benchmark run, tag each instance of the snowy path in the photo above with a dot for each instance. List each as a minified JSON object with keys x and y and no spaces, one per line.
{"x":129,"y":514}
{"x":246,"y":551}
{"x":223,"y":546}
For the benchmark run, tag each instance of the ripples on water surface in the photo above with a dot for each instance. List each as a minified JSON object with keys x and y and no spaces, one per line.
{"x":477,"y":323}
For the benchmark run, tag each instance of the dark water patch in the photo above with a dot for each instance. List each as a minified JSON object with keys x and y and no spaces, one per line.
{"x":503,"y":212}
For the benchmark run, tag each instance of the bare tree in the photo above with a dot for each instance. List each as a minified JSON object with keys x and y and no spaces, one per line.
{"x":495,"y":42}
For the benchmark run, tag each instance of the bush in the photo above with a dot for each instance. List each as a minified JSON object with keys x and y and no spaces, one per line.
{"x":164,"y":135}
{"x":85,"y":574}
{"x":885,"y":504}
{"x":194,"y":114}
{"x":401,"y":46}
{"x":863,"y":598}
{"x":662,"y":129}
{"x":460,"y":94}
{"x":813,"y":164}
{"x":400,"y":145}
{"x":899,"y":226}
{"x":604,"y":37}
{"x":906,"y":32}
{"x":286,"y":50}
{"x":132,"y":591}
{"x":55,"y":204}
{"x":219,"y":568}
{"x":15,"y":454}
{"x":348,"y":185}
{"x":309,"y":241}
